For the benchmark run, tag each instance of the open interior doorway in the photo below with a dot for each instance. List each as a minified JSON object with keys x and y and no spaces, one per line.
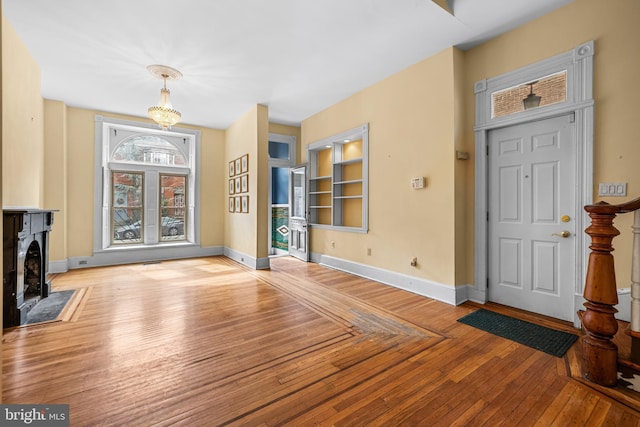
{"x":279,"y":211}
{"x":282,"y":156}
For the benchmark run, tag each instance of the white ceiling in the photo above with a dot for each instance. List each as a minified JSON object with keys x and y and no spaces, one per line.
{"x":296,"y":56}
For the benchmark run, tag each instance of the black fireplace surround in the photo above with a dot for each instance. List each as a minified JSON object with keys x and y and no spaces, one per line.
{"x":25,"y":262}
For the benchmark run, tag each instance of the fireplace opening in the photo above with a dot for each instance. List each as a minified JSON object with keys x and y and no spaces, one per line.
{"x":33,"y":274}
{"x":25,"y":262}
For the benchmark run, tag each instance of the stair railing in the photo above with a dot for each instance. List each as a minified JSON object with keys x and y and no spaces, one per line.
{"x":599,"y":325}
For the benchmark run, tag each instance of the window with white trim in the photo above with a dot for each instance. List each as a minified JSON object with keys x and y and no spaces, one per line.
{"x":148,"y":186}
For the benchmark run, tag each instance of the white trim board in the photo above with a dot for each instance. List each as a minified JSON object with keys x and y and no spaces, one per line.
{"x":133,"y":256}
{"x":438,"y":291}
{"x":141,"y":254}
{"x":249,"y":261}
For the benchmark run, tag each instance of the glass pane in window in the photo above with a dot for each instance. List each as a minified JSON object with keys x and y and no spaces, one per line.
{"x":127,"y":207}
{"x":550,"y":90}
{"x":173,"y":207}
{"x":278,"y":150}
{"x":299,"y":194}
{"x":148,"y":149}
{"x":280,"y":186}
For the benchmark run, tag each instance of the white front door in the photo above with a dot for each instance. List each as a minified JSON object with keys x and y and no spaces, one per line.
{"x":531,"y":218}
{"x":298,"y":232}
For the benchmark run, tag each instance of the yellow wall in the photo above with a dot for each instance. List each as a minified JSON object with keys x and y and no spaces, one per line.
{"x":22,"y":132}
{"x":55,"y":172}
{"x":614,"y":28}
{"x":213,"y":189}
{"x":411,"y":134}
{"x":247,"y":232}
{"x":261,"y":171}
{"x":463,"y":169}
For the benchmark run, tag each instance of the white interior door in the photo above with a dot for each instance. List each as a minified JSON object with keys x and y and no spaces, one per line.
{"x":298,"y":227}
{"x":531,"y":219}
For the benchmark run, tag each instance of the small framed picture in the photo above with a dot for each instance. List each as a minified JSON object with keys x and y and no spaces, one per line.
{"x":238,"y":166}
{"x":245,"y":204}
{"x":237,"y":185}
{"x":238,"y":207}
{"x":232,"y":186}
{"x":232,"y":168}
{"x":244,"y":183}
{"x":244,"y":163}
{"x":231,"y":204}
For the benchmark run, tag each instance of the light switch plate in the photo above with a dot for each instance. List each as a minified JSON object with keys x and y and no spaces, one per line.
{"x":612,"y":189}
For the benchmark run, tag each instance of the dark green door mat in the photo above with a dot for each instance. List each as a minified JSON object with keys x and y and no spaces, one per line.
{"x":49,"y":308}
{"x":551,"y":341}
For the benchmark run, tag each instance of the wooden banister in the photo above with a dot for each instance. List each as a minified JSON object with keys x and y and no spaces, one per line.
{"x":599,"y":325}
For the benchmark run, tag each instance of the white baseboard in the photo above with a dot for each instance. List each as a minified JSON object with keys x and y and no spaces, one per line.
{"x":137,"y":255}
{"x":59,"y":266}
{"x":249,"y":261}
{"x":445,"y":293}
{"x":624,"y":305}
{"x":477,"y":295}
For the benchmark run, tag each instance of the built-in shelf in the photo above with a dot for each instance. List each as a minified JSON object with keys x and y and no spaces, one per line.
{"x":338,"y":180}
{"x":349,"y":162}
{"x":352,"y":181}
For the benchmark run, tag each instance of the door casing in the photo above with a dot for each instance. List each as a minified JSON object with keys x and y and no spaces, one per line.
{"x":578,"y":63}
{"x":281,"y":163}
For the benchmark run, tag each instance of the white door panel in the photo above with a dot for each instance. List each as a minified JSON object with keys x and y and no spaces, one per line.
{"x":531,"y":195}
{"x":298,"y":227}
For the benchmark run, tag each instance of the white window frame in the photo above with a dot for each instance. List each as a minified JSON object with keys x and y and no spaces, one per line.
{"x":102,"y":191}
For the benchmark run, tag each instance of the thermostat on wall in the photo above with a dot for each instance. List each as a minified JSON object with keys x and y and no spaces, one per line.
{"x":417,"y":182}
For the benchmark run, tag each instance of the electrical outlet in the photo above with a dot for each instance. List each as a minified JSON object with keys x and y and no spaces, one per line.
{"x":414,"y":261}
{"x":369,"y":251}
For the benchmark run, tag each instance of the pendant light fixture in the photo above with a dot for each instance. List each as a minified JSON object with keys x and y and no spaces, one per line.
{"x":532,"y":100}
{"x":163,"y":113}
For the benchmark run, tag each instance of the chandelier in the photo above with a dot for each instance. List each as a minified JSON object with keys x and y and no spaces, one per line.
{"x":163,"y":113}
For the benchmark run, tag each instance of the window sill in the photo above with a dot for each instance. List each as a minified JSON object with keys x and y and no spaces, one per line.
{"x":138,"y":247}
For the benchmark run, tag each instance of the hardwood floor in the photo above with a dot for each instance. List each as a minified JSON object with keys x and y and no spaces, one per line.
{"x":205,"y":342}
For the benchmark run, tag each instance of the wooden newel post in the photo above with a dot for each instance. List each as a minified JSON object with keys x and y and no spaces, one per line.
{"x":600,"y":354}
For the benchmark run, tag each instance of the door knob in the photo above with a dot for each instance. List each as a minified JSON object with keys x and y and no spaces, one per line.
{"x":563,"y":233}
